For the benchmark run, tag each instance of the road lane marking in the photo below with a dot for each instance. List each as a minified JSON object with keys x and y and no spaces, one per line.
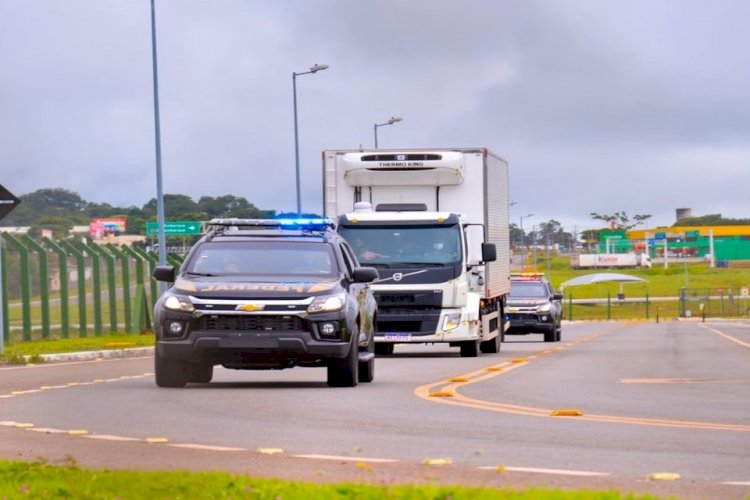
{"x":109,"y":437}
{"x":560,"y":472}
{"x":683,"y":381}
{"x":346,"y":458}
{"x":457,"y":399}
{"x":206,"y":447}
{"x":726,"y":336}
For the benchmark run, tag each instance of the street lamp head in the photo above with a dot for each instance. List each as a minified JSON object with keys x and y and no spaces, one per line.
{"x":394,"y":119}
{"x":318,"y":67}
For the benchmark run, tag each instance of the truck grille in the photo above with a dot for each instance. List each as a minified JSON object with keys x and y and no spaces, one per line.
{"x":413,"y":300}
{"x":252,"y":323}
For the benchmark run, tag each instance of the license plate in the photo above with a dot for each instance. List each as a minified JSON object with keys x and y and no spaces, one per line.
{"x":397,"y":337}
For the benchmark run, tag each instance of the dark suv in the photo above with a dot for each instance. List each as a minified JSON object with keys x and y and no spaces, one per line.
{"x":534,"y":307}
{"x":266,"y":294}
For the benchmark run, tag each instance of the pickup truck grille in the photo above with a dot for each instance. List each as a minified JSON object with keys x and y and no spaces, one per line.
{"x":252,"y":323}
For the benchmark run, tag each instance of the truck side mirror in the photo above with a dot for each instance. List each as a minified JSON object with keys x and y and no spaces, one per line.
{"x":365,"y":274}
{"x":489,"y":252}
{"x":164,"y":273}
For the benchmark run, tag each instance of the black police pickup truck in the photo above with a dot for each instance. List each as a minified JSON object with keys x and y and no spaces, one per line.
{"x":266,"y":294}
{"x":533,"y":306}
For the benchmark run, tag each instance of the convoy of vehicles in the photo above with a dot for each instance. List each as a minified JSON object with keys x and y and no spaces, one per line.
{"x":534,"y":307}
{"x":266,"y":294}
{"x":607,"y":260}
{"x":434,"y":222}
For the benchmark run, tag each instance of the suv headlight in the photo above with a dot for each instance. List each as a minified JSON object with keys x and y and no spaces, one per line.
{"x":327,"y":303}
{"x":544,"y":308}
{"x":178,"y":303}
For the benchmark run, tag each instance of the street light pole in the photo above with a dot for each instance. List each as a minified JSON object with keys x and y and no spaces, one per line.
{"x":313,"y":69}
{"x":391,"y":121}
{"x":157,"y":133}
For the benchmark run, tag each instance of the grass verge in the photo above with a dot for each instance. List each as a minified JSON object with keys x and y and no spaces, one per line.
{"x":16,"y":353}
{"x":40,"y":480}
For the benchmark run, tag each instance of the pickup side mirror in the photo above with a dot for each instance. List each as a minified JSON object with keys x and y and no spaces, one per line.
{"x":164,"y":273}
{"x":557,"y":296}
{"x":365,"y":274}
{"x":489,"y":252}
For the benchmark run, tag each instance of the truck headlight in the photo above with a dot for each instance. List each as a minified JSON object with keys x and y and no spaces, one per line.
{"x":451,"y":321}
{"x":544,"y":308}
{"x":327,"y":303}
{"x":178,"y":303}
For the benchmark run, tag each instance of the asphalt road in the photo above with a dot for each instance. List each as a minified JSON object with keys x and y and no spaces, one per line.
{"x":669,"y":398}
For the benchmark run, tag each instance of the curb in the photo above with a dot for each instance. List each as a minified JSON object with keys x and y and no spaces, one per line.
{"x":92,"y":355}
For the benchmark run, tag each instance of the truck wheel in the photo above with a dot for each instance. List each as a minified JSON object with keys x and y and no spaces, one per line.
{"x":345,"y":372}
{"x":491,"y":346}
{"x":550,"y":335}
{"x":367,"y":368}
{"x":170,"y":372}
{"x":201,"y":373}
{"x":384,"y":349}
{"x":469,"y":348}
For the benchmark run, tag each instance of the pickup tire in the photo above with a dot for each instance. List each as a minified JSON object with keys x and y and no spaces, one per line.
{"x":345,"y":372}
{"x":551,"y":334}
{"x":170,"y":372}
{"x":201,"y":373}
{"x":367,"y":368}
{"x":384,"y":349}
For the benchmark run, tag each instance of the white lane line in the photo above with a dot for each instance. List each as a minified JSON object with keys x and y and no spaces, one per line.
{"x":47,"y":430}
{"x":206,"y":447}
{"x":347,"y":459}
{"x":560,"y":472}
{"x":8,"y":423}
{"x":108,"y":437}
{"x":737,"y":483}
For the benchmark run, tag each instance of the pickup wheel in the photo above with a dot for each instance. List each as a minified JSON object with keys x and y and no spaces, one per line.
{"x":491,"y":346}
{"x":558,"y":332}
{"x":551,"y":335}
{"x":469,"y":348}
{"x":170,"y":372}
{"x":367,"y":368}
{"x":201,"y":373}
{"x":384,"y":349}
{"x":345,"y":372}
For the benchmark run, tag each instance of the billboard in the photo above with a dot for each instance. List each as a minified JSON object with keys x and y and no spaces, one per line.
{"x":99,"y":228}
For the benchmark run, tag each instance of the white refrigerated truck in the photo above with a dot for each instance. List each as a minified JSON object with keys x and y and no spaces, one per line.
{"x":434,"y":222}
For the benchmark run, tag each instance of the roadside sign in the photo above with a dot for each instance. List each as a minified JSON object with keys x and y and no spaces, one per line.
{"x":692,"y":234}
{"x":174,"y":228}
{"x":8,"y":201}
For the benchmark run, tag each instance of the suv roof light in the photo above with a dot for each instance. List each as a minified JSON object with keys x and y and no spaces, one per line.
{"x":527,"y":276}
{"x":299,"y":224}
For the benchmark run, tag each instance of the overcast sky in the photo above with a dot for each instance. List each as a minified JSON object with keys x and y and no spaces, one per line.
{"x":599,"y":106}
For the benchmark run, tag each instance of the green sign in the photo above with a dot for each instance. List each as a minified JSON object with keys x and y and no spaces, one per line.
{"x":692,"y":234}
{"x":174,"y":228}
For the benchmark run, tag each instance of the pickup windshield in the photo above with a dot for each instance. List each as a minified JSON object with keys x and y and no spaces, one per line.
{"x":406,"y":246}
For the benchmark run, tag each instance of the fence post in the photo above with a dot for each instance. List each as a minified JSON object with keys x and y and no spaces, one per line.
{"x":62,"y":257}
{"x":111,"y":287}
{"x":43,"y":283}
{"x":25,"y":284}
{"x":609,"y":305}
{"x":153,"y":261}
{"x":4,"y":284}
{"x":683,"y":298}
{"x":97,"y":282}
{"x":570,"y":306}
{"x":125,"y":265}
{"x":647,"y":306}
{"x":80,"y":265}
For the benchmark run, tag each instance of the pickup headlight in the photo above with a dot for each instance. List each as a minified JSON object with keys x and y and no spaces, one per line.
{"x":327,"y":303}
{"x":178,"y":303}
{"x":544,"y":308}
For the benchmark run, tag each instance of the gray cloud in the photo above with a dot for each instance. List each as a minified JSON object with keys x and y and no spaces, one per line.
{"x":598,"y":106}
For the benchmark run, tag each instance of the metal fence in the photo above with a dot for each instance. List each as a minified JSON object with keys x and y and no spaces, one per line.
{"x":58,"y":289}
{"x":715,"y":302}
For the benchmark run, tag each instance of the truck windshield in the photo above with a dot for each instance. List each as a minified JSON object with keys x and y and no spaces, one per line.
{"x":431,"y":246}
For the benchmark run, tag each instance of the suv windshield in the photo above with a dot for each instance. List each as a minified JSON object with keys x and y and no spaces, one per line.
{"x":263,"y":258}
{"x":533,"y":289}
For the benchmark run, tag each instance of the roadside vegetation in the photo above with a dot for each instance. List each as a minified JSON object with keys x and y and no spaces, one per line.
{"x":31,"y":352}
{"x":40,"y":480}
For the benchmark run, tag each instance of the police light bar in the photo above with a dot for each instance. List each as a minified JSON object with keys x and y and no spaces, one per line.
{"x":303,"y":224}
{"x":527,"y":276}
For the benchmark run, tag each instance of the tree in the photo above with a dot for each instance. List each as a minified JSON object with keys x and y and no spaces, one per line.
{"x":620,"y":220}
{"x":45,"y":202}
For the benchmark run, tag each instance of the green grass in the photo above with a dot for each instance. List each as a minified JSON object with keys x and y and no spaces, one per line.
{"x":39,"y":480}
{"x":15,"y":353}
